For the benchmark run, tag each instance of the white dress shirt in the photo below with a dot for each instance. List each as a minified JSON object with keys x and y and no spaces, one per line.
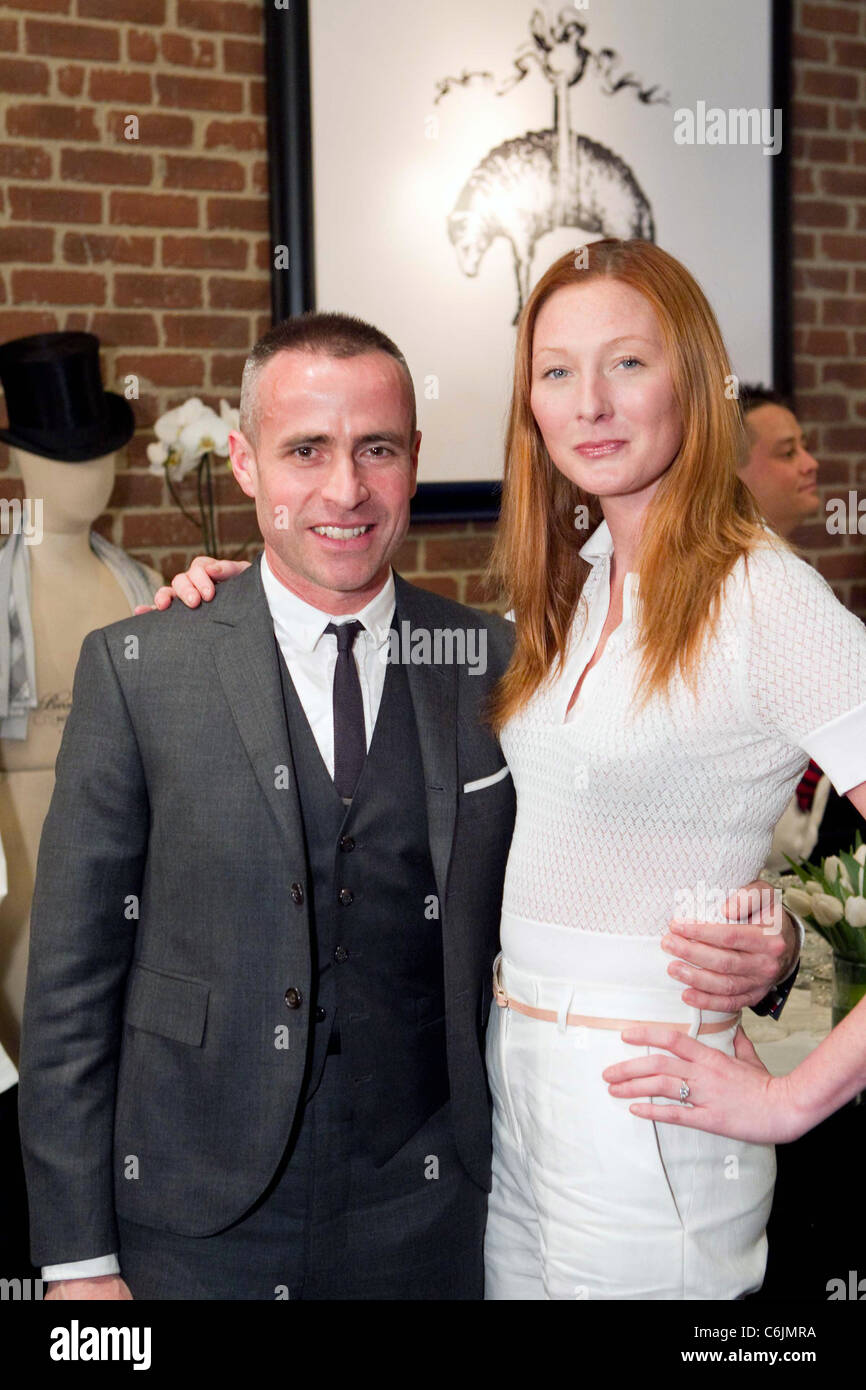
{"x":311,"y":657}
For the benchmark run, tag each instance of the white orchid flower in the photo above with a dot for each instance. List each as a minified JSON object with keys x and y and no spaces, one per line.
{"x":169,"y":425}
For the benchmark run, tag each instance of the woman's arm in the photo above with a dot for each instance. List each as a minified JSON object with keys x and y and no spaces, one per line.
{"x":737,"y":1096}
{"x":196,"y":583}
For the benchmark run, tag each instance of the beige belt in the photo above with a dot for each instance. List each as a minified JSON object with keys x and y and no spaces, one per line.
{"x":505,"y":1001}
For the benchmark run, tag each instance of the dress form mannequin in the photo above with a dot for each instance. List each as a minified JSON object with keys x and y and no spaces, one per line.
{"x":72,"y":592}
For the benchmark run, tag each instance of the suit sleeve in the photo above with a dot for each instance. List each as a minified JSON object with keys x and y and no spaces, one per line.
{"x":82,"y":936}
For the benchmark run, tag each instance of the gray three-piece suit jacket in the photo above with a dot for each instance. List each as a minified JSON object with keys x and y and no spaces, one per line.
{"x":165,"y":930}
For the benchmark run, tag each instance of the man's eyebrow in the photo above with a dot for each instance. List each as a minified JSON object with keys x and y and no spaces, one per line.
{"x":612,"y":342}
{"x":295,"y":440}
{"x":383,"y":437}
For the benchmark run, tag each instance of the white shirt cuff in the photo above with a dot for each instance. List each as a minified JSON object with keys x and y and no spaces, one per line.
{"x":82,"y":1269}
{"x":839,"y":749}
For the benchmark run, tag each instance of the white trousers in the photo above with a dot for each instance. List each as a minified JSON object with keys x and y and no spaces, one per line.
{"x":588,"y":1200}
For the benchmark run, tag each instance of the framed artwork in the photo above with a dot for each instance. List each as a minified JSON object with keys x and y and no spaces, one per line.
{"x":429,"y":162}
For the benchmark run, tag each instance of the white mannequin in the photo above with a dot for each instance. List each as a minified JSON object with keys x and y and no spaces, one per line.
{"x":72,"y":592}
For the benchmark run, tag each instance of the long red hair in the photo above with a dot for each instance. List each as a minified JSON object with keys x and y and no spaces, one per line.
{"x":700,"y":520}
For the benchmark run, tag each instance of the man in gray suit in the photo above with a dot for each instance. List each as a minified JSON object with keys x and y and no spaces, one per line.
{"x":268,"y":893}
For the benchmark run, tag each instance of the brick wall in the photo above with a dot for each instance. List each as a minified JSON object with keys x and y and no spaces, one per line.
{"x":159,"y":245}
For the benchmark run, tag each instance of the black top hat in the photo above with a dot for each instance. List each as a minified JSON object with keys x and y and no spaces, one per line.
{"x":55,"y":400}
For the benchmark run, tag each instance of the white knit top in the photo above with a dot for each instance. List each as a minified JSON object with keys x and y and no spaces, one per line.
{"x":620,"y":812}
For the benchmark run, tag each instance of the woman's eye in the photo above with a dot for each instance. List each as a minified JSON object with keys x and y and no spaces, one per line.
{"x":551,"y":370}
{"x":630,"y":362}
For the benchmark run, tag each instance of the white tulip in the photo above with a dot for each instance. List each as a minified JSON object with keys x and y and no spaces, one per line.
{"x":860,"y":855}
{"x":855,"y":912}
{"x":799,"y":902}
{"x":813,"y":886}
{"x":827,"y":911}
{"x":835,"y":870}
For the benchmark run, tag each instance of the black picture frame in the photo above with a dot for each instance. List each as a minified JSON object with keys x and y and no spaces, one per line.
{"x":293,"y":290}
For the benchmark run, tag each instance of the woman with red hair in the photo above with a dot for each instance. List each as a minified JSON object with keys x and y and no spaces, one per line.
{"x":658,"y":711}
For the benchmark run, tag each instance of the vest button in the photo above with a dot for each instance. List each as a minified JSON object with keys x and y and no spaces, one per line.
{"x":297,"y":894}
{"x":293,"y":997}
{"x":341,"y":955}
{"x":346,"y":843}
{"x":347,"y":897}
{"x":320,"y":1014}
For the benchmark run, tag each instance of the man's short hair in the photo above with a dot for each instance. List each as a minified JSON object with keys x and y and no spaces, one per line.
{"x":332,"y":335}
{"x":750,"y":397}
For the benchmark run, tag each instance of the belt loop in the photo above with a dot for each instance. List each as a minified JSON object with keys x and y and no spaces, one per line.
{"x":562,"y":1011}
{"x":697,"y":1020}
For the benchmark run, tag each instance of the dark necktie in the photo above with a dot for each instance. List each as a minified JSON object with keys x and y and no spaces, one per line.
{"x":350,"y":739}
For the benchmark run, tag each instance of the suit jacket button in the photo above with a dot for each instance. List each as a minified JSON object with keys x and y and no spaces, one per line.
{"x":294,"y":998}
{"x":297,"y":894}
{"x":320,"y":1014}
{"x":341,"y":954}
{"x":346,"y":897}
{"x":346,"y":843}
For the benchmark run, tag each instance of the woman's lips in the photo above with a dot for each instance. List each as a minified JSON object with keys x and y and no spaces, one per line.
{"x":601,"y":449}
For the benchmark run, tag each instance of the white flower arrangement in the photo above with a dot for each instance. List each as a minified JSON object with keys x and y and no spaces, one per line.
{"x":186,"y":439}
{"x":833,"y":898}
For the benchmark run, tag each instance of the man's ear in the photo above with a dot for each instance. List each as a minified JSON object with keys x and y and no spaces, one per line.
{"x":413,"y":458}
{"x":243,"y":462}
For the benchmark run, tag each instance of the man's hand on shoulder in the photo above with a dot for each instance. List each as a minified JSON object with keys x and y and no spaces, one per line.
{"x":100,"y":1286}
{"x":196,"y":583}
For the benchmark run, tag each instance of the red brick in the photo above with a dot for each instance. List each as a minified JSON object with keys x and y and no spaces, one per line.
{"x":845,"y":438}
{"x":829,"y":19}
{"x":803,"y":179}
{"x":225,"y":293}
{"x":236,"y":135}
{"x":154,"y":210}
{"x":185,"y":52}
{"x":810,"y":115}
{"x":19,"y":323}
{"x":809,"y":47}
{"x":814,"y":212}
{"x":849,"y":54}
{"x":237,"y":526}
{"x":860,"y":281}
{"x":141,"y":47}
{"x":24,"y":162}
{"x":204,"y":253}
{"x":827,"y":149}
{"x":70,"y":80}
{"x":87,"y":248}
{"x":803,"y":245}
{"x":264,"y":253}
{"x":440,"y":584}
{"x":78,"y":41}
{"x":216,"y":15}
{"x":227,"y":371}
{"x":159,"y":528}
{"x":117,"y":84}
{"x":126,"y":330}
{"x":118,"y":11}
{"x":819,"y":342}
{"x":844,"y":248}
{"x":849,"y":118}
{"x":260,"y":177}
{"x":157,"y":291}
{"x":55,"y":205}
{"x":805,"y":375}
{"x":23,"y":78}
{"x":258,"y":98}
{"x":805,"y":310}
{"x":154,"y":128}
{"x":57,"y":287}
{"x":172,"y":370}
{"x":471,"y":552}
{"x":847,"y":564}
{"x":844,"y":183}
{"x":205,"y":331}
{"x":849,"y":310}
{"x":199,"y":93}
{"x":105,"y":166}
{"x":237,"y":214}
{"x":8,"y":36}
{"x":822,"y":408}
{"x":239,"y":56}
{"x":818,"y":82}
{"x":136,"y":490}
{"x":27,"y":244}
{"x":851,"y":374}
{"x":860,"y":344}
{"x":823,"y":277}
{"x":224,"y":174}
{"x":48,"y":122}
{"x":45,"y":6}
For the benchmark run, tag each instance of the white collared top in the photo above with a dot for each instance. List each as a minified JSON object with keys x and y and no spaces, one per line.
{"x":619,"y":810}
{"x":311,"y":654}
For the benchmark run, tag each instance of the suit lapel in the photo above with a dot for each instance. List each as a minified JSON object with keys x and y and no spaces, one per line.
{"x":433,"y":689}
{"x":245,"y":657}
